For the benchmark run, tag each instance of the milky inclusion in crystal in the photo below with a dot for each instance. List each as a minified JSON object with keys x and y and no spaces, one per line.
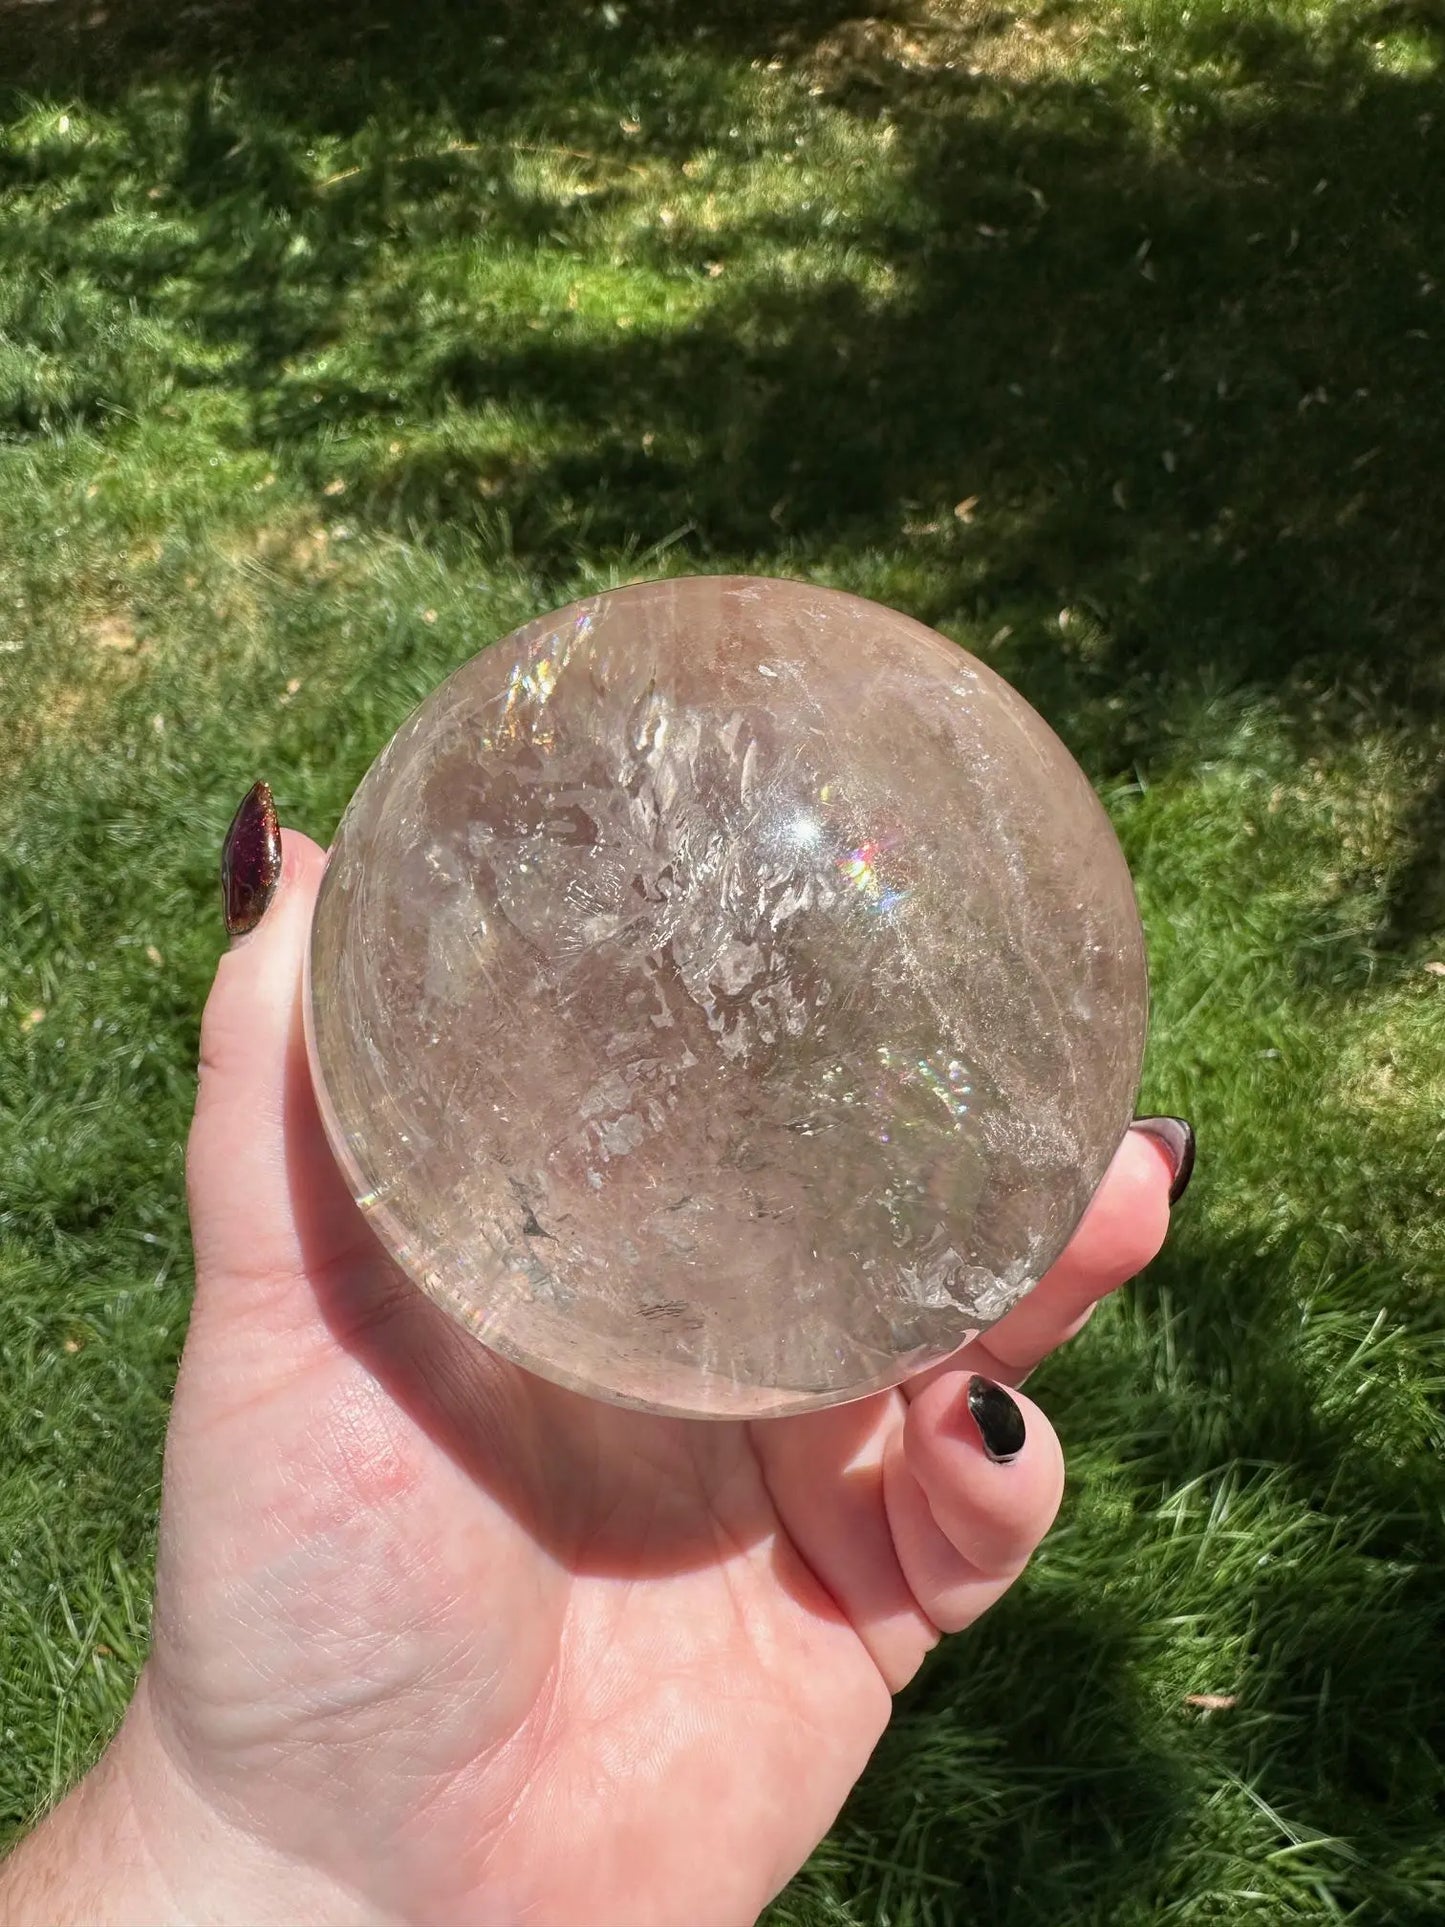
{"x":725,"y":996}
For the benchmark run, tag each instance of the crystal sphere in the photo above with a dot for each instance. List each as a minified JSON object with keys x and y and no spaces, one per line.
{"x":725,"y":996}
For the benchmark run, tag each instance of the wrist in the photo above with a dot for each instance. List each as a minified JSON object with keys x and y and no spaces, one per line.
{"x":136,"y":1844}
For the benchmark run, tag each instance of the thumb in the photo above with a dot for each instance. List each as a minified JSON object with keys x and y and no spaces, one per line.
{"x":268,"y":1205}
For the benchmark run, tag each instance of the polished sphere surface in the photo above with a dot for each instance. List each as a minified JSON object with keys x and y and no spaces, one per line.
{"x":725,"y":996}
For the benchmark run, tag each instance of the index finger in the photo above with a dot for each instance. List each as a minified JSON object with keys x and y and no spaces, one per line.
{"x":1117,"y":1236}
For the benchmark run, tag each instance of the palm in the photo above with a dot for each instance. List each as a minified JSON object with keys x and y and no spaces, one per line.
{"x":536,"y":1632}
{"x":481,"y":1648}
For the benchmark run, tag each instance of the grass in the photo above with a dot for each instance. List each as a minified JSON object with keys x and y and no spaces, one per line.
{"x":1107,"y":336}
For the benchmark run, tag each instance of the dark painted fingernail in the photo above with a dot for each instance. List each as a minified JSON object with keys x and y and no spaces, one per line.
{"x":250,"y":861}
{"x":1175,"y":1138}
{"x":1000,"y":1422}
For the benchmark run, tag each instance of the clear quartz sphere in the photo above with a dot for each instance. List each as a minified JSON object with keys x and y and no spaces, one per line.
{"x":725,"y":996}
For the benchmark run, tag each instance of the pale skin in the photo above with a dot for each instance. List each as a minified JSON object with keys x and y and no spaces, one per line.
{"x":438,"y":1642}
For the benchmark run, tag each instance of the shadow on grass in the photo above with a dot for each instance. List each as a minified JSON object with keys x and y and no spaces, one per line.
{"x":1264,"y":1403}
{"x":1024,"y":1777}
{"x":1190,"y":369}
{"x":1038,"y":1770}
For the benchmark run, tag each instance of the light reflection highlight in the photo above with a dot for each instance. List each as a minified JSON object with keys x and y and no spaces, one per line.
{"x":531,"y":686}
{"x":859,"y":869}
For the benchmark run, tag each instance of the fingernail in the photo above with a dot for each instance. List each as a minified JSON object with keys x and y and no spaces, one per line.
{"x":1000,"y":1422}
{"x":250,"y":861}
{"x":1175,"y":1138}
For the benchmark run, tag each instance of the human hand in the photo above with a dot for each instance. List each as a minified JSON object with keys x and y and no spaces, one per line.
{"x":436,"y":1641}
